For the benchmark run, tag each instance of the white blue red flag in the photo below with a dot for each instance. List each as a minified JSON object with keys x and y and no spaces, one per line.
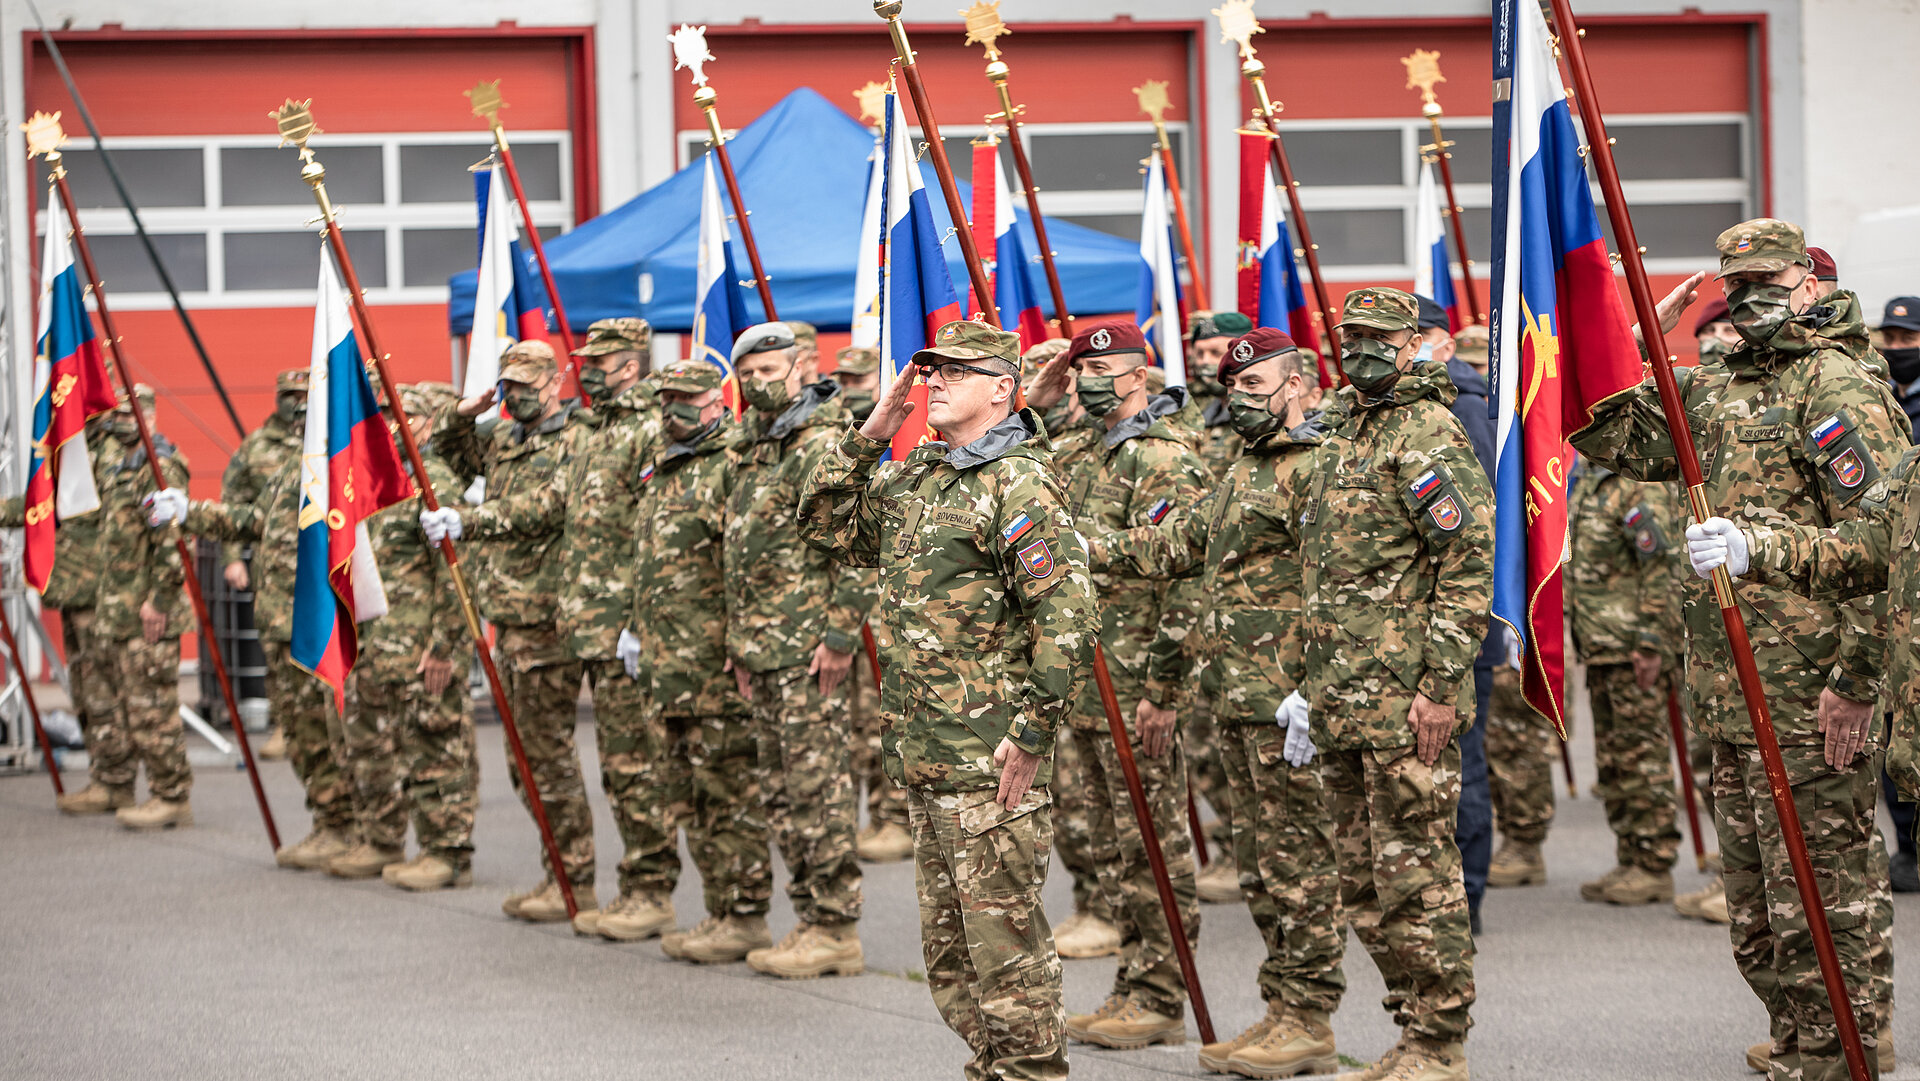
{"x":70,"y":385}
{"x":349,"y":471}
{"x":866,"y":271}
{"x":1002,"y":250}
{"x":509,"y":302}
{"x":1269,"y":290}
{"x":719,"y":312}
{"x":1160,"y":311}
{"x":1432,"y":270}
{"x":1561,"y":341}
{"x":916,"y":292}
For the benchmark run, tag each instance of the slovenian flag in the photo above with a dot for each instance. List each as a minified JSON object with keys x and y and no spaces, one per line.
{"x":866,"y":269}
{"x":916,"y":294}
{"x":509,"y":303}
{"x":1160,"y":311}
{"x":1432,"y":270}
{"x":721,"y":313}
{"x":70,"y":385}
{"x":1002,"y":249}
{"x":1561,"y":341}
{"x":1270,"y":292}
{"x":349,"y":471}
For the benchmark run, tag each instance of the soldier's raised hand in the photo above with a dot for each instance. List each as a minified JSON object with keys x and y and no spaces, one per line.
{"x":165,"y":507}
{"x":1716,"y":542}
{"x":1674,"y":303}
{"x":895,"y":407}
{"x":479,"y":403}
{"x":1051,"y":384}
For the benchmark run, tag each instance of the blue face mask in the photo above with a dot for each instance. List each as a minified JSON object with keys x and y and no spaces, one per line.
{"x":1426,"y":353}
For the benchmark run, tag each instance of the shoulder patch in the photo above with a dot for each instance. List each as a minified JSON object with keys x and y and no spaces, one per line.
{"x":1848,"y":469}
{"x":1445,"y":513}
{"x":1428,"y":483}
{"x":1037,"y":558}
{"x":1159,"y":510}
{"x":1017,"y":528}
{"x":1829,"y":430}
{"x":647,"y":473}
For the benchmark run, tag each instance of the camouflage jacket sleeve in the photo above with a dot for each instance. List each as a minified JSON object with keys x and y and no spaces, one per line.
{"x":242,"y":482}
{"x":836,"y":515}
{"x":1174,"y":548}
{"x":13,"y":512}
{"x":1850,"y":559}
{"x":855,"y":589}
{"x":459,"y":442}
{"x":1463,"y":565}
{"x":1652,"y":530}
{"x":539,"y":509}
{"x":449,"y":622}
{"x":1168,"y":484}
{"x":1059,"y":606}
{"x":1629,"y":434}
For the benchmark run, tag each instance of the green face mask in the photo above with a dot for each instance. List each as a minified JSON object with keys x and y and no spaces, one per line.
{"x":290,"y":408}
{"x":1760,"y":310}
{"x":593,"y":382}
{"x":1712,"y":349}
{"x":1371,"y":365}
{"x":767,"y":395}
{"x":1204,"y":381}
{"x":683,"y":418}
{"x":1250,"y":414}
{"x":125,"y":430}
{"x":524,"y":405}
{"x":1097,"y":395}
{"x":861,"y":402}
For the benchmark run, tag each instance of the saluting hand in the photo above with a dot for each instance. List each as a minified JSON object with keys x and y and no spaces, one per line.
{"x":478,"y":404}
{"x":1048,"y":387}
{"x":891,"y":414}
{"x":1674,"y":303}
{"x":1018,"y":768}
{"x":1432,"y":727}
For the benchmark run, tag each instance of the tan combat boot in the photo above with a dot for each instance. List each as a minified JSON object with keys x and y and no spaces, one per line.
{"x":1085,"y":935}
{"x":1693,"y":905}
{"x":1597,"y":889}
{"x":364,"y":861}
{"x":1301,"y":1043}
{"x":313,"y":851}
{"x":635,"y":917}
{"x":1759,"y":1055}
{"x":1714,"y":908}
{"x":1376,"y":1070}
{"x":1424,"y":1060}
{"x":1885,"y":1040}
{"x":156,"y":814}
{"x":275,"y":748}
{"x":1639,"y":886}
{"x":428,"y":873}
{"x":549,"y":906}
{"x":1214,"y":1056}
{"x":813,"y":949}
{"x":1517,"y":864}
{"x":719,"y":941}
{"x":1219,"y":884}
{"x":1136,"y":1025}
{"x":885,"y":843}
{"x":95,"y":799}
{"x":1077,"y":1023}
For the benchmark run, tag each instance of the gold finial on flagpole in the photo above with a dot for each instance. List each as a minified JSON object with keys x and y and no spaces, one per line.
{"x":984,"y":26}
{"x":873,"y":103}
{"x":45,"y":137}
{"x":1238,"y":25}
{"x":1153,"y":99}
{"x":1423,"y":72}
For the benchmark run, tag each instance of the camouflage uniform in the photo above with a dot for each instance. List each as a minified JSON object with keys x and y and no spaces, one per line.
{"x":1134,"y":475}
{"x":1792,"y":434}
{"x":784,"y":598}
{"x":697,"y":752}
{"x":1282,"y":833}
{"x":518,"y":574}
{"x":1624,"y":593}
{"x":1521,"y":752}
{"x":1396,"y":535}
{"x":989,"y":624}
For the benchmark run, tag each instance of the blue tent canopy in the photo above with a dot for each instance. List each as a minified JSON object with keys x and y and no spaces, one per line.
{"x":803,"y":169}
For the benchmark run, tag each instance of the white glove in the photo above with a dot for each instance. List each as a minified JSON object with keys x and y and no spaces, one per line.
{"x":1716,"y":542}
{"x":628,"y":650}
{"x":166,"y":506}
{"x":440,"y":525}
{"x":1293,"y":713}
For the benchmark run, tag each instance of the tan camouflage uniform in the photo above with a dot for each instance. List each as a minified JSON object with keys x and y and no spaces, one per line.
{"x":1522,"y":750}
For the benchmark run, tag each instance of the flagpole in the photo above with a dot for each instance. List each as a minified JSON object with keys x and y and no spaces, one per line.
{"x":33,"y":706}
{"x":1751,"y":688}
{"x":1423,"y":70}
{"x":487,"y":104}
{"x":56,"y":167}
{"x":1153,"y":102}
{"x":983,"y":27}
{"x":690,"y":52}
{"x":296,"y":126}
{"x":930,"y":129}
{"x":1566,"y":768}
{"x":1687,"y":786}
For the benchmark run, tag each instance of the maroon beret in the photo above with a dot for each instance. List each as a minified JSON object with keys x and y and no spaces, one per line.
{"x":1253,"y":347}
{"x":1716,"y":312}
{"x":1823,"y":267}
{"x":1106,"y":339}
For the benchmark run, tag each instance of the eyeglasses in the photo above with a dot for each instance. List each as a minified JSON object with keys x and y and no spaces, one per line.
{"x":954,"y":371}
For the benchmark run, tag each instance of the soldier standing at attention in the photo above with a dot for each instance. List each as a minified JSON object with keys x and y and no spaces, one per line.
{"x":794,"y":621}
{"x":1132,"y":467}
{"x":519,"y":571}
{"x":988,"y":613}
{"x":1396,"y":521}
{"x":1795,"y":430}
{"x":1623,"y":598}
{"x":276,"y":442}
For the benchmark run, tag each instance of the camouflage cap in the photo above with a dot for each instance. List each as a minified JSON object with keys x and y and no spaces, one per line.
{"x":617,"y":336}
{"x":1037,"y":356}
{"x":856,"y":360}
{"x":1204,"y":325}
{"x":144,"y":392}
{"x":1382,"y":309}
{"x":1470,"y":344}
{"x":967,"y":339}
{"x":804,"y":333}
{"x":425,"y":399}
{"x":528,"y":362}
{"x":1763,"y":245}
{"x":691,"y":377}
{"x":293,"y":379}
{"x":761,"y":338}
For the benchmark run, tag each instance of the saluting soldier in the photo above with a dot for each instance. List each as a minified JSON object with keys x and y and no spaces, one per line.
{"x":987,"y":611}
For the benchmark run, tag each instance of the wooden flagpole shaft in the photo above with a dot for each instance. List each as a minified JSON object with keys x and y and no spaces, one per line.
{"x":1172,"y":172}
{"x":705,"y":97}
{"x":1566,"y":767}
{"x":33,"y":706}
{"x":1687,"y":787}
{"x":1751,"y":688}
{"x":315,"y":176}
{"x":997,"y":73}
{"x":1199,"y":834}
{"x":1454,"y":211}
{"x":540,"y":256}
{"x":1255,"y":71}
{"x":200,"y":611}
{"x":890,"y":11}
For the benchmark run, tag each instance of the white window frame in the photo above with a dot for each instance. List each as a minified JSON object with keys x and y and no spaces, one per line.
{"x":391,"y":216}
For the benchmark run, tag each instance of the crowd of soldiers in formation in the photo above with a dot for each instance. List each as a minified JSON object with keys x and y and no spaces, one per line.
{"x":1290,"y":589}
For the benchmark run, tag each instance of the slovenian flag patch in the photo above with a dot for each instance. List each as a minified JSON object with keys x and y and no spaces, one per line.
{"x":1159,"y":510}
{"x":1426,"y":485}
{"x":647,"y":473}
{"x":1829,"y":430}
{"x":1016,"y":528}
